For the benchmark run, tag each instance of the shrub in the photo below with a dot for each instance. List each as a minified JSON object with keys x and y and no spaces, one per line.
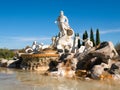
{"x":6,"y":53}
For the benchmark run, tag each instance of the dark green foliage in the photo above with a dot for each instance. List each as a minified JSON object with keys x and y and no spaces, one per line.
{"x":79,"y":43}
{"x":97,"y":37}
{"x":5,"y":53}
{"x":85,"y":36}
{"x":83,"y":43}
{"x":92,"y":37}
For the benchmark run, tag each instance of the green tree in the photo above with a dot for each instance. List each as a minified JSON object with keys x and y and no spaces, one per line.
{"x":86,"y":35}
{"x":6,"y":53}
{"x":92,"y":37}
{"x":79,"y":43}
{"x":97,"y":37}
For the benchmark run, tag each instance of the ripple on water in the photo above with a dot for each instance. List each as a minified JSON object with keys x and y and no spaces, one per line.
{"x":13,"y":79}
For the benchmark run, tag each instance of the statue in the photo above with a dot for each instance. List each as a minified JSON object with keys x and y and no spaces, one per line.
{"x":75,"y":43}
{"x":62,"y":22}
{"x":66,"y":32}
{"x":88,"y":44}
{"x":35,"y":48}
{"x":54,"y":42}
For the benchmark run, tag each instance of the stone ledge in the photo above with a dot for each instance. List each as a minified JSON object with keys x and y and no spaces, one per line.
{"x":40,"y":55}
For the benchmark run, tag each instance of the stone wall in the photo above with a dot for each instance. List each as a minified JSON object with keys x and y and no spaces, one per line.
{"x":36,"y":63}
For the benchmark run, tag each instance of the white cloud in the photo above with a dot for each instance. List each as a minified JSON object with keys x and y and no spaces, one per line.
{"x":109,"y":31}
{"x":25,"y":39}
{"x":21,"y":42}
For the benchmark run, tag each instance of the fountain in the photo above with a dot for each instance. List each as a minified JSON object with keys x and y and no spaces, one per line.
{"x":39,"y":55}
{"x":64,"y":58}
{"x":39,"y":52}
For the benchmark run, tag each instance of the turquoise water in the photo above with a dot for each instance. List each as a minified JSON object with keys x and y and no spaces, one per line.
{"x":13,"y":79}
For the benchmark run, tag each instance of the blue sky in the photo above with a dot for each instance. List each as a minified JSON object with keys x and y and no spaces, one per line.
{"x":23,"y":21}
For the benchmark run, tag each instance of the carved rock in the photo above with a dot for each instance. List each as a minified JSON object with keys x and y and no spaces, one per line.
{"x":93,"y":59}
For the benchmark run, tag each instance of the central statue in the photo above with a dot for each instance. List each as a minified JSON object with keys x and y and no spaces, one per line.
{"x":65,"y":40}
{"x":63,"y":25}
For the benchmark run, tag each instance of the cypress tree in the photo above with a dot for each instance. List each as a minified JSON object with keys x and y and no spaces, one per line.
{"x":79,"y":43}
{"x":97,"y":37}
{"x":92,"y":37}
{"x":84,"y":37}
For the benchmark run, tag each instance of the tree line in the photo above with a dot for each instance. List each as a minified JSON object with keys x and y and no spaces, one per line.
{"x":85,"y":36}
{"x":6,"y":53}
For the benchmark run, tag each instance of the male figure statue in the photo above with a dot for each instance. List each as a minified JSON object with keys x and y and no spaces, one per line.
{"x":66,"y":33}
{"x":62,"y":22}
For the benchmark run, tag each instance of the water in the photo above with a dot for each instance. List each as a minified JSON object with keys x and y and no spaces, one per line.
{"x":13,"y":79}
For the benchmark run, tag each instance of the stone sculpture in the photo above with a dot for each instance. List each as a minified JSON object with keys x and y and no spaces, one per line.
{"x":75,"y":44}
{"x":66,"y":33}
{"x":36,"y":47}
{"x":88,"y":44}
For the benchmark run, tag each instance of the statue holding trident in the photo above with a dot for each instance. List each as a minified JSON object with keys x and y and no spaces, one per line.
{"x":66,"y":33}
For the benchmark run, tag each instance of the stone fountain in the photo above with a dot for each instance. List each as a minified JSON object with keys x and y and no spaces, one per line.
{"x":64,"y":58}
{"x":39,"y":52}
{"x":40,"y":55}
